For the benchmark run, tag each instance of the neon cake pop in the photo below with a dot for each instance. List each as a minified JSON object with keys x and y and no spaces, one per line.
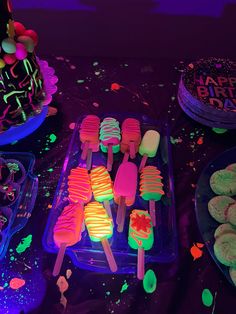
{"x":140,"y":236}
{"x":148,"y":146}
{"x":89,"y":136}
{"x":102,"y":187}
{"x":131,"y":137}
{"x":110,"y":139}
{"x":125,"y":190}
{"x":79,"y":186}
{"x":67,"y":231}
{"x":100,"y":229}
{"x":151,"y":188}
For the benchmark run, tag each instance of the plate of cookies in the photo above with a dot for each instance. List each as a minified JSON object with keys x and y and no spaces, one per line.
{"x":215,"y":206}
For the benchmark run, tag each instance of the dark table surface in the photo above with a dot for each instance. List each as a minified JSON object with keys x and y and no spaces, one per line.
{"x":150,"y":88}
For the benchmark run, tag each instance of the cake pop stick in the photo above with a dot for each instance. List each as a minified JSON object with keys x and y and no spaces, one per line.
{"x":148,"y":146}
{"x":102,"y":187}
{"x":124,"y":190}
{"x":89,"y":136}
{"x":110,"y":139}
{"x":140,"y":236}
{"x":151,"y":188}
{"x":100,"y":229}
{"x":131,"y":137}
{"x":67,"y":231}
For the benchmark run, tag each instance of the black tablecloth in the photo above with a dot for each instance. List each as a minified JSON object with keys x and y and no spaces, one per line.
{"x":148,"y":87}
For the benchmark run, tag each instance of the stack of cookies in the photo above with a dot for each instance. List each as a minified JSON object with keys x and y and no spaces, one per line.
{"x":223,"y":209}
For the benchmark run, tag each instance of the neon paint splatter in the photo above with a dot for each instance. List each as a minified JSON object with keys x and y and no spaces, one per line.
{"x":50,"y":170}
{"x":68,"y":272}
{"x":52,"y":138}
{"x":16,"y":283}
{"x":200,"y":141}
{"x":124,"y":287}
{"x":150,"y":281}
{"x":219,"y":131}
{"x":115,"y":86}
{"x":207,"y":297}
{"x":24,"y":244}
{"x":196,"y":251}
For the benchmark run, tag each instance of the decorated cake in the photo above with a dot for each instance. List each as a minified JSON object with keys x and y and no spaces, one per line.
{"x":207,"y":92}
{"x":23,"y":86}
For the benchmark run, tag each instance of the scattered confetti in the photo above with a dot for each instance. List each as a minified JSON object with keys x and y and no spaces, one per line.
{"x":149,"y":281}
{"x":195,"y":251}
{"x":52,"y":138}
{"x":175,"y":140}
{"x":207,"y":297}
{"x":24,"y":244}
{"x":124,"y":287}
{"x":80,"y":81}
{"x":68,"y":273}
{"x":16,"y":283}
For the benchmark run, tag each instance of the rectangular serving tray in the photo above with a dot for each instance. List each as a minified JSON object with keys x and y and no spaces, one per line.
{"x":89,"y":255}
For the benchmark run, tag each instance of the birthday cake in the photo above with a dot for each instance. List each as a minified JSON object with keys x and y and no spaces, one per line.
{"x":207,"y":92}
{"x":22,"y":86}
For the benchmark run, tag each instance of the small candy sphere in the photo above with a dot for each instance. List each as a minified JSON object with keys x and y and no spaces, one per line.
{"x":9,"y":45}
{"x":9,"y":58}
{"x":27,"y":42}
{"x":21,"y":52}
{"x":2,"y":64}
{"x":19,"y":28}
{"x":32,"y":34}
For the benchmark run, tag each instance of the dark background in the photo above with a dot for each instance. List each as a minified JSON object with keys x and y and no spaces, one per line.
{"x":132,"y":28}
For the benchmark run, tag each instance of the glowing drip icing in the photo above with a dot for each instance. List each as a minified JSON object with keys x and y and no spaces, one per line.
{"x":101,"y":184}
{"x":97,"y":221}
{"x":140,"y":230}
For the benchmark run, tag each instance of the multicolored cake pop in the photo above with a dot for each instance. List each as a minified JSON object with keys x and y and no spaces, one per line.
{"x":67,"y":231}
{"x":151,"y":188}
{"x":131,"y":137}
{"x":89,"y":136}
{"x":148,"y":146}
{"x":140,"y":236}
{"x":110,"y":139}
{"x":125,"y":190}
{"x":102,"y":187}
{"x":100,"y":229}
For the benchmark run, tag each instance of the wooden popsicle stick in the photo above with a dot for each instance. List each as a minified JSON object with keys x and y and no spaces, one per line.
{"x":109,"y":255}
{"x":59,"y":260}
{"x":108,"y":209}
{"x":89,"y":159}
{"x":83,"y":223}
{"x":152,"y":211}
{"x":110,"y":158}
{"x":140,"y":266}
{"x":132,"y":152}
{"x":143,"y":162}
{"x":119,"y":210}
{"x":126,"y":157}
{"x":120,"y":227}
{"x":85,"y":150}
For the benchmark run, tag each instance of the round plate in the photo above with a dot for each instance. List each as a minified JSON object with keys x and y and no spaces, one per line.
{"x":206,"y":223}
